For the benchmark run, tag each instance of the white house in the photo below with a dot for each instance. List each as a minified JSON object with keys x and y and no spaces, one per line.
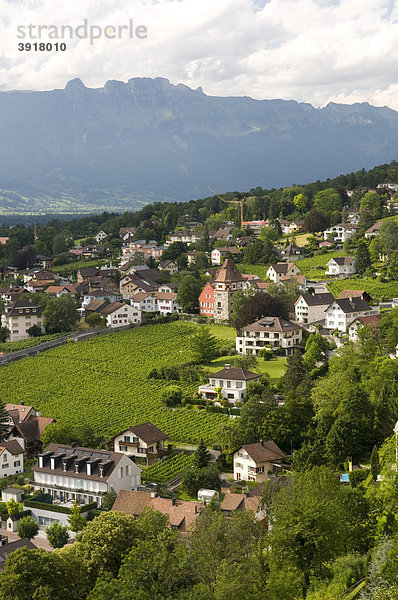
{"x":101,"y":236}
{"x":167,"y":303}
{"x":220,"y":253}
{"x":341,"y":232}
{"x":20,"y":316}
{"x":61,"y":290}
{"x":372,"y":321}
{"x":341,"y":266}
{"x":119,"y":314}
{"x":83,"y":475}
{"x":342,"y":311}
{"x":373,"y":230}
{"x":255,"y":462}
{"x":232,"y":381}
{"x":186,"y":237}
{"x":277,"y":270}
{"x":144,"y":443}
{"x":269,"y":333}
{"x":11,"y":458}
{"x":309,"y":308}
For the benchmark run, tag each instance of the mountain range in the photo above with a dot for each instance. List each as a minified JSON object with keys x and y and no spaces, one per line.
{"x":121,"y":146}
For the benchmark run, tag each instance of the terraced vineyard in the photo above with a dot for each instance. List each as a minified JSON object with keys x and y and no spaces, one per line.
{"x":103,"y":382}
{"x":167,"y":469}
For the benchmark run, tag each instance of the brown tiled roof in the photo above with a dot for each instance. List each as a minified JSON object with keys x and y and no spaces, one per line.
{"x":111,"y":308}
{"x":348,"y":305}
{"x":271,"y":324}
{"x":32,"y":429}
{"x":263,"y":451}
{"x":11,"y":446}
{"x":137,"y":297}
{"x":23,"y":410}
{"x":148,"y":433}
{"x":23,"y":304}
{"x":352,"y":294}
{"x":371,"y":320}
{"x":88,"y":272}
{"x":165,"y":295}
{"x":235,"y":373}
{"x":133,"y":503}
{"x":228,"y":273}
{"x":95,"y":305}
{"x":56,"y":289}
{"x":233,"y":502}
{"x":374,"y":227}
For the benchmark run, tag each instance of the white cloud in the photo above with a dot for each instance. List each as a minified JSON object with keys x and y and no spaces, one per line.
{"x":309,"y":50}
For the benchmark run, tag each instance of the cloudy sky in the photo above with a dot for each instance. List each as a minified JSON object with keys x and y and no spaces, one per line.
{"x":308,"y":50}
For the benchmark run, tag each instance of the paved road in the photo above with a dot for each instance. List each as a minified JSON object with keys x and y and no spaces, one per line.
{"x":40,"y":540}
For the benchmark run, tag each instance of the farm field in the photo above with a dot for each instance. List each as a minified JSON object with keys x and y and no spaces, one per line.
{"x":73,"y":267}
{"x":314,"y":267}
{"x":224,"y":332}
{"x":377,"y":289}
{"x":274,"y":368}
{"x":167,"y":469}
{"x":103,"y":382}
{"x":22,"y":344}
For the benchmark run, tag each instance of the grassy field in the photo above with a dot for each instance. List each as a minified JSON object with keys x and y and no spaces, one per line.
{"x":274,"y":368}
{"x":377,"y":289}
{"x":73,"y":267}
{"x":224,"y":332}
{"x":314,"y":267}
{"x":104,"y":382}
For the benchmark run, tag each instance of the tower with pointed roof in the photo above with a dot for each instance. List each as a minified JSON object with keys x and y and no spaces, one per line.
{"x":227,"y":281}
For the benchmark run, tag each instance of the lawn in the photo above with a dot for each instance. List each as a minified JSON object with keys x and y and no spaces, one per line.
{"x":274,"y":368}
{"x":314,"y":267}
{"x":377,"y":289}
{"x":224,"y":332}
{"x":104,"y":382}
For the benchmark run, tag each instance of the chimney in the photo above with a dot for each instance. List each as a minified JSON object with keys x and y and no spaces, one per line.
{"x":262,"y":443}
{"x":173,"y":502}
{"x":153,"y":494}
{"x":23,"y":402}
{"x":227,"y":366}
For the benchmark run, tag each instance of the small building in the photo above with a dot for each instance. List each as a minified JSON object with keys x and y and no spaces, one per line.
{"x":341,"y":232}
{"x":277,"y":270}
{"x":60,"y":290}
{"x":238,"y":502}
{"x":182,"y":514}
{"x":232,"y":382}
{"x":372,"y":321}
{"x":255,"y":462}
{"x":291,"y":252}
{"x":373,"y":230}
{"x":207,"y":496}
{"x":101,"y":236}
{"x":20,"y":316}
{"x":169,"y":266}
{"x":268,"y":333}
{"x":12,"y":493}
{"x":116,"y":314}
{"x":341,"y":266}
{"x":218,"y":254}
{"x":309,"y":308}
{"x":143,"y":443}
{"x":11,"y":458}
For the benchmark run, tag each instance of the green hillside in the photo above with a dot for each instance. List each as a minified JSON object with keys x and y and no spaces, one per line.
{"x":103,"y":382}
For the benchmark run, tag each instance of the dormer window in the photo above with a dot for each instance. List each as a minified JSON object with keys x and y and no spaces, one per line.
{"x":101,"y":471}
{"x":76,"y":467}
{"x":64,"y":465}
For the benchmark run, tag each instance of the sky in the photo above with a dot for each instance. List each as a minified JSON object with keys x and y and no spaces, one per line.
{"x":315,"y":51}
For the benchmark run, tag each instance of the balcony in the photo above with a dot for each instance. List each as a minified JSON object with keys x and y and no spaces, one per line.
{"x":64,"y":488}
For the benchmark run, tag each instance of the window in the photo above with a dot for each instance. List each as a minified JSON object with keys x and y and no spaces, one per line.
{"x":121,"y":472}
{"x":122,"y":448}
{"x":127,"y":471}
{"x":141,"y":450}
{"x":126,"y":438}
{"x":77,"y":468}
{"x":17,"y":463}
{"x":5,"y":457}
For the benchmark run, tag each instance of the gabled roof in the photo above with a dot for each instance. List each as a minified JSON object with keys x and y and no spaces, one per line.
{"x":228,"y":249}
{"x":139,"y":296}
{"x":23,"y":304}
{"x":370,"y":320}
{"x":235,"y":373}
{"x":112,"y":307}
{"x":11,"y":446}
{"x":147,"y":432}
{"x":282,"y":267}
{"x":375,"y":228}
{"x":32,"y":429}
{"x":22,"y":410}
{"x":317,"y":299}
{"x":95,"y":305}
{"x":6,"y":550}
{"x":180,"y":511}
{"x":88,"y":272}
{"x":354,"y":294}
{"x":228,"y":273}
{"x":263,"y":451}
{"x":56,"y":289}
{"x":342,"y":260}
{"x":165,"y":295}
{"x":271,"y":324}
{"x":350,"y":305}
